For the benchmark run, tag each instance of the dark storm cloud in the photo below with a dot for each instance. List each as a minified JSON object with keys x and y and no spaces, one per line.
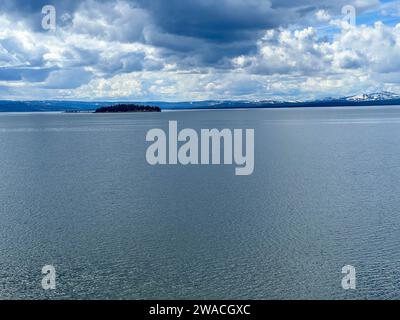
{"x":223,"y":20}
{"x":232,"y":20}
{"x":207,"y":32}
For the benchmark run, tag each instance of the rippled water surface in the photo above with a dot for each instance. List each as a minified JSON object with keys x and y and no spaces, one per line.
{"x":76,"y":192}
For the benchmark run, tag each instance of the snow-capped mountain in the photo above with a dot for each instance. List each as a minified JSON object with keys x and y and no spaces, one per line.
{"x":378,"y":96}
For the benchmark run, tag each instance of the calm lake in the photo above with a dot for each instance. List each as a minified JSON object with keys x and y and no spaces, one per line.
{"x":77,"y":193}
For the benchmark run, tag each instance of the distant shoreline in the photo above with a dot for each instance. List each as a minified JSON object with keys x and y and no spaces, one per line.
{"x":92,"y":112}
{"x":86,"y":107}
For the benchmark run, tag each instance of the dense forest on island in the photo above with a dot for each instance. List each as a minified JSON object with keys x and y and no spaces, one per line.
{"x":127,"y":108}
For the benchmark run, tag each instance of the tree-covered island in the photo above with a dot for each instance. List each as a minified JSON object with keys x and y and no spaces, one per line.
{"x":127,"y":108}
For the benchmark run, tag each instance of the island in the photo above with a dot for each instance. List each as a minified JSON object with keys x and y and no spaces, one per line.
{"x":127,"y":108}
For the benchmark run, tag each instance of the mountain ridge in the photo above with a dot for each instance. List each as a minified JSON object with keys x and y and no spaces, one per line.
{"x":364,"y":99}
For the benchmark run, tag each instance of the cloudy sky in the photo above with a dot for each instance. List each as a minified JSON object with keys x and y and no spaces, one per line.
{"x":199,"y":49}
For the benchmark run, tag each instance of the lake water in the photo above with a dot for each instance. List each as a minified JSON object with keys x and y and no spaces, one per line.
{"x":76,"y":192}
